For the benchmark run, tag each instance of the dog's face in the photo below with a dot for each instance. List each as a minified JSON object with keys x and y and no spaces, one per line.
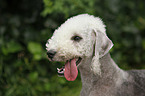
{"x":75,"y":40}
{"x":71,"y":43}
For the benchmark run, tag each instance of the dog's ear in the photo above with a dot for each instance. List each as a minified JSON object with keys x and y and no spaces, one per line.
{"x":102,"y":43}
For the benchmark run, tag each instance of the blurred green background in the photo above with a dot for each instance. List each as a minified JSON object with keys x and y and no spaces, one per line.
{"x":26,"y":25}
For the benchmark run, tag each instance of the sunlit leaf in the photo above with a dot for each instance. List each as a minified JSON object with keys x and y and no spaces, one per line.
{"x":11,"y":47}
{"x":35,"y":49}
{"x":33,"y":76}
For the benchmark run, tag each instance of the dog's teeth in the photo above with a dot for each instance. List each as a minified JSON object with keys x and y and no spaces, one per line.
{"x":58,"y":69}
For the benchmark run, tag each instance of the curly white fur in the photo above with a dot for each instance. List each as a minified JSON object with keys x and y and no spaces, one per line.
{"x":81,"y":25}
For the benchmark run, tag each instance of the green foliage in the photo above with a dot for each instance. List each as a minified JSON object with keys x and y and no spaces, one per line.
{"x":35,"y":49}
{"x":26,"y":25}
{"x":68,"y":7}
{"x":11,"y":47}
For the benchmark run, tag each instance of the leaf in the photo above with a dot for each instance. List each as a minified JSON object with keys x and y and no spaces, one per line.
{"x":14,"y":47}
{"x":11,"y":47}
{"x":48,"y":4}
{"x":37,"y":56}
{"x":33,"y":76}
{"x":35,"y":49}
{"x":47,"y":86}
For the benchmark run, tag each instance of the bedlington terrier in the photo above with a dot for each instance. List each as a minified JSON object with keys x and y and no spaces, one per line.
{"x":82,"y":43}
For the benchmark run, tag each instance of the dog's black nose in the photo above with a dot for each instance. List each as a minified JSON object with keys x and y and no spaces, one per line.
{"x":51,"y":54}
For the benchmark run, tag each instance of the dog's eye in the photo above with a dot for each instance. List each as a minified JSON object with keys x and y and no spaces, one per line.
{"x":76,"y":38}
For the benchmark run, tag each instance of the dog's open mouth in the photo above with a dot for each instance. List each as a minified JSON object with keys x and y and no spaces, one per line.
{"x":69,"y":70}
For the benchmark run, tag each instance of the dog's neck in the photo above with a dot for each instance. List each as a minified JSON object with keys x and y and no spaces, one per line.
{"x":111,"y":75}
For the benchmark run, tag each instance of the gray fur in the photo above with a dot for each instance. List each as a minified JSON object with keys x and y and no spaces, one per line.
{"x":113,"y":81}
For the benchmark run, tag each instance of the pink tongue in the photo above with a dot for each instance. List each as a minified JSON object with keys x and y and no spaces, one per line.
{"x":71,"y":71}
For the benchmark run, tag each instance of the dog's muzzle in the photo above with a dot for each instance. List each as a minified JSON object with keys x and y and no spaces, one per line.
{"x":51,"y":54}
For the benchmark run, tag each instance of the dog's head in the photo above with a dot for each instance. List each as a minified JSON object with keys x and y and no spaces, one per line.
{"x":80,"y":37}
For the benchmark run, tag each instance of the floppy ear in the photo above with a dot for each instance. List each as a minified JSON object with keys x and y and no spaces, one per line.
{"x":102,"y":43}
